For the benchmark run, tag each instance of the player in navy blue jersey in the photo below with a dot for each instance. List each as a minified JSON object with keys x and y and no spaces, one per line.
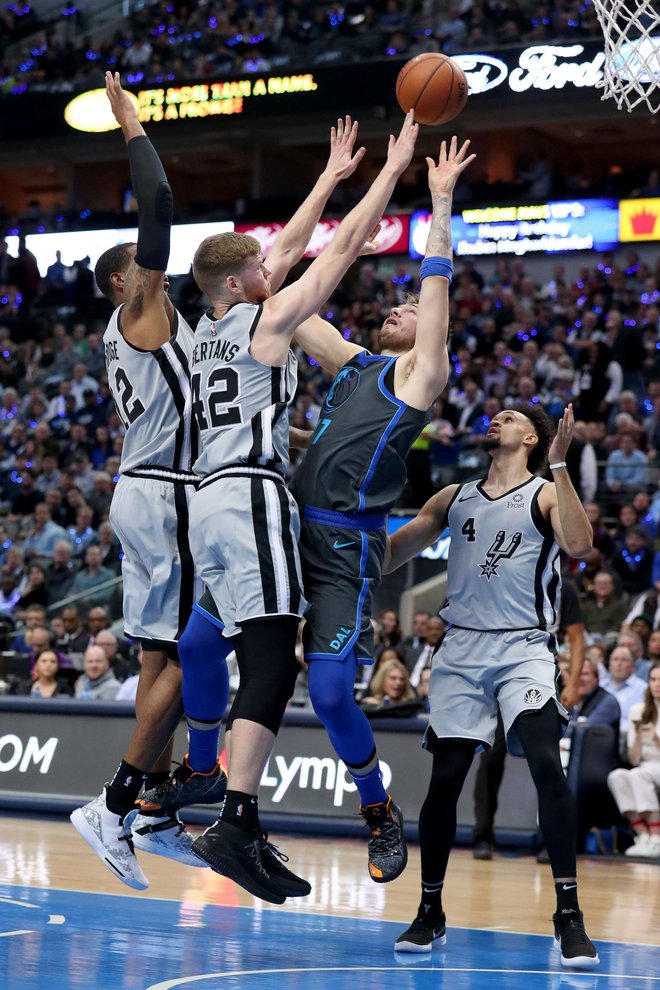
{"x":349,"y":480}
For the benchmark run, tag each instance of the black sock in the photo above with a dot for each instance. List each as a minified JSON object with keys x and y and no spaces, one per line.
{"x":153,"y":779}
{"x":242,"y":810}
{"x":430,"y":906}
{"x":567,"y":897}
{"x":124,"y":788}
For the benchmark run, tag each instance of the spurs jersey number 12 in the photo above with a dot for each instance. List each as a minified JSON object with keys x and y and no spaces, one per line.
{"x":240,"y":405}
{"x":503,"y":564}
{"x":152,"y":393}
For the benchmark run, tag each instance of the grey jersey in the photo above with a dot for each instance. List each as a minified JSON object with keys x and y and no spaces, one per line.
{"x":152,"y":393}
{"x":503,"y":566}
{"x":240,"y":405}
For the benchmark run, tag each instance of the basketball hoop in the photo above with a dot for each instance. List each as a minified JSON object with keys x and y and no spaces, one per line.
{"x":632,"y":52}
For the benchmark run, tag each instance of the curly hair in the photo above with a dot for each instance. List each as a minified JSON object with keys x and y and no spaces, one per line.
{"x":545,"y":431}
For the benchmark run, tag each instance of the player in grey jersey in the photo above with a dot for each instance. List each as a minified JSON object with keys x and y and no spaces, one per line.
{"x":502,"y":589}
{"x":148,"y":347}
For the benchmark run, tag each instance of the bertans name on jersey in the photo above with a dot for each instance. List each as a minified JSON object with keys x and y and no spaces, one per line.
{"x":214,"y":350}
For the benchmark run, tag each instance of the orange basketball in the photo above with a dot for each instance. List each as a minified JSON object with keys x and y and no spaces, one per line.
{"x":434,"y":86}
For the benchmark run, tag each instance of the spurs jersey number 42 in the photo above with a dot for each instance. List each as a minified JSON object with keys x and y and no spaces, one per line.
{"x":503,"y":566}
{"x":152,"y":393}
{"x":240,"y":405}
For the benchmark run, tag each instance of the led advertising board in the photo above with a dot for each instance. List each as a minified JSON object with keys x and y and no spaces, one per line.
{"x":393,"y":237}
{"x":573,"y":225}
{"x":77,"y":244}
{"x":639,"y":220}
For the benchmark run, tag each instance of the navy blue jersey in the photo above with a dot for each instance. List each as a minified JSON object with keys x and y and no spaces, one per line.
{"x":356,"y":458}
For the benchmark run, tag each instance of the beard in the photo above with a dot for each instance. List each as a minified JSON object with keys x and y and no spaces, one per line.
{"x":390,"y":339}
{"x":492,"y":443}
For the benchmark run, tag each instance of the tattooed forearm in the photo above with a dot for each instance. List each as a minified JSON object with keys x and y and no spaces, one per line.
{"x":439,"y":241}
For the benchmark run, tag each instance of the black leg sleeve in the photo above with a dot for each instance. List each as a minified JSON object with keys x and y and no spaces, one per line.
{"x":437,"y":819}
{"x":539,"y":734}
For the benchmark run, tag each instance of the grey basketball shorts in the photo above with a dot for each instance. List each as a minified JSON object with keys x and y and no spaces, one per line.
{"x":244,"y":531}
{"x":150,"y":518}
{"x":473,"y":673}
{"x":342,"y":568}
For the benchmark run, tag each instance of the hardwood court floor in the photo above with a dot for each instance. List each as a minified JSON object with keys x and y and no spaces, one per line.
{"x":67,"y":924}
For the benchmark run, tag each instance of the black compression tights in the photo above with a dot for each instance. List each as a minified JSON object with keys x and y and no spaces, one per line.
{"x":437,"y":819}
{"x":539,"y":734}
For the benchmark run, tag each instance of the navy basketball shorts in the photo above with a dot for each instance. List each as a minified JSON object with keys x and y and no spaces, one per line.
{"x":341,"y":568}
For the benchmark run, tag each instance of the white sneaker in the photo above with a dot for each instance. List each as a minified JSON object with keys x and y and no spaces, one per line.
{"x":111,"y":840}
{"x":640,"y":846}
{"x":165,"y":837}
{"x":652,"y":848}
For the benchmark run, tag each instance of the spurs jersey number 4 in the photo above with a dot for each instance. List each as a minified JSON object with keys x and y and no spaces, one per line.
{"x":240,"y":405}
{"x":503,"y":566}
{"x":152,"y":393}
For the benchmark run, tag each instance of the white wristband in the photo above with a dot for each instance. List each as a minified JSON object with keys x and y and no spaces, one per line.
{"x":559,"y":464}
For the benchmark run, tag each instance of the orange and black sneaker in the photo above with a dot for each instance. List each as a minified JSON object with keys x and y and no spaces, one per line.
{"x":183,"y":787}
{"x":388,"y":853}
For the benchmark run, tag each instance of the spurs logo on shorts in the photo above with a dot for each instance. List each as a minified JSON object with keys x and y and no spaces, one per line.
{"x":533,"y":696}
{"x":498,"y":552}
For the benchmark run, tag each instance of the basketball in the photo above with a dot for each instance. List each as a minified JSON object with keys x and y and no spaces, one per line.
{"x":434,"y":86}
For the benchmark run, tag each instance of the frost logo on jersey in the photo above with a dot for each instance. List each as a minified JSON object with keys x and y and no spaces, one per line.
{"x":533,"y":696}
{"x":498,"y":552}
{"x":342,"y":388}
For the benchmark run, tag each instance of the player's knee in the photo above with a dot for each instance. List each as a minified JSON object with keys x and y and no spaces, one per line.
{"x":268,"y":670}
{"x":200,"y":642}
{"x":328,"y":692}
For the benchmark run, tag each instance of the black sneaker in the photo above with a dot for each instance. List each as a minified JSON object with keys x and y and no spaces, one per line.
{"x":483,"y":850}
{"x":571,"y":939}
{"x":388,"y":853}
{"x":184,"y":787}
{"x":422,"y":936}
{"x":234,"y":853}
{"x":273,"y":860}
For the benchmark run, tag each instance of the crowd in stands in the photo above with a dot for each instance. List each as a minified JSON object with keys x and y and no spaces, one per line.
{"x":588,"y":334}
{"x":169,"y":40}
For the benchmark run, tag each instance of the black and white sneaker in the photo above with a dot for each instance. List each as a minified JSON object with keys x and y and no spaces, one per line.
{"x":184,"y":787}
{"x":165,"y":837}
{"x":577,"y":949}
{"x":236,"y":854}
{"x":388,"y":853}
{"x":273,"y":860}
{"x":422,"y":936}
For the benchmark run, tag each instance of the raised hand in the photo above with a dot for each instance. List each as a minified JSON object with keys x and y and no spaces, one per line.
{"x":400,"y":149}
{"x":443,"y":175}
{"x":371,"y":245}
{"x":341,"y":161}
{"x":123,"y":104}
{"x":563,"y":437}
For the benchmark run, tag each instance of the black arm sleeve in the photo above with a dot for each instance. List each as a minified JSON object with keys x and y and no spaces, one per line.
{"x":155,"y":205}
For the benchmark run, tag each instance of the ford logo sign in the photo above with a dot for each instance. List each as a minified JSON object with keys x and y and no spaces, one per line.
{"x":483,"y":71}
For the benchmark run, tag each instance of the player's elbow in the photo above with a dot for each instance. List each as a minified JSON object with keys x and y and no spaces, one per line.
{"x":580,"y":549}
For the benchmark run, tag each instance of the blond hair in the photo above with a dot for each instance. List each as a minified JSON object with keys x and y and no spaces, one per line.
{"x":219,"y":256}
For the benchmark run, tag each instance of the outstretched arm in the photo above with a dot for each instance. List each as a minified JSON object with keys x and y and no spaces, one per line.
{"x":325,"y":344}
{"x":425,"y":370}
{"x":148,"y":314}
{"x":420,"y":532}
{"x":289,"y":307}
{"x":572,"y":529}
{"x":290,"y":245}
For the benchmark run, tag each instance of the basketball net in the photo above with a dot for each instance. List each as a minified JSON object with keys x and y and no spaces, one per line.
{"x":632,"y":52}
